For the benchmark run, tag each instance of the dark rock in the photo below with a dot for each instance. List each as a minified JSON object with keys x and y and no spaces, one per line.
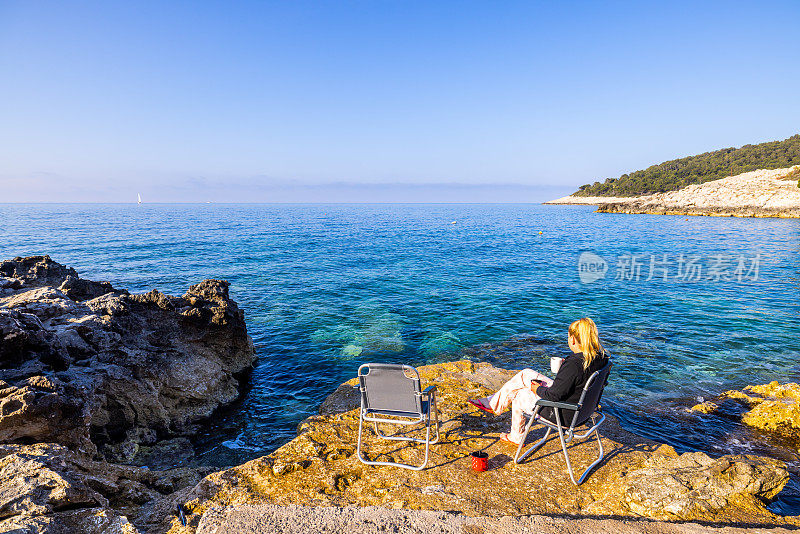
{"x":108,"y":376}
{"x":117,"y":364}
{"x":80,"y":289}
{"x":36,"y":271}
{"x":47,"y":488}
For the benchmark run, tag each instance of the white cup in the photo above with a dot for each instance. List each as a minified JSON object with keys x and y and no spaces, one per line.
{"x":555,"y":363}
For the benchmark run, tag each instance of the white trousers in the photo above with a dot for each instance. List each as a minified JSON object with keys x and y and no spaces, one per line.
{"x":517,"y":392}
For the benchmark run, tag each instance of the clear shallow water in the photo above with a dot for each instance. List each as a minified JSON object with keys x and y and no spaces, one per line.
{"x":328,"y":287}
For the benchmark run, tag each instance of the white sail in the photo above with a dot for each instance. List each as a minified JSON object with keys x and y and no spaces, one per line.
{"x":140,"y":197}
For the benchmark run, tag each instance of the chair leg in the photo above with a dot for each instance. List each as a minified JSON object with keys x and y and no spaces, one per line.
{"x":566,"y":454}
{"x":427,"y":446}
{"x":427,"y":442}
{"x":569,"y":464}
{"x":596,"y":462}
{"x":534,"y":447}
{"x":358,"y":449}
{"x":435,"y":418}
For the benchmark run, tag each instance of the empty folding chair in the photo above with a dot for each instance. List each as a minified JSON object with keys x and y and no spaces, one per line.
{"x":390,"y":393}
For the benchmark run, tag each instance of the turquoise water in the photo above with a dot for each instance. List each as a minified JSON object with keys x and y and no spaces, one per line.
{"x":328,"y":287}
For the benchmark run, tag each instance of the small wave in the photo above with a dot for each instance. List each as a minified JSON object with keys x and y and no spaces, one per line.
{"x":239,"y":444}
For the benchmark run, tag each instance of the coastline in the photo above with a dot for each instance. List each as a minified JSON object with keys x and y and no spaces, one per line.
{"x":571,"y":200}
{"x":82,"y":474}
{"x":317,"y":479}
{"x":761,"y":193}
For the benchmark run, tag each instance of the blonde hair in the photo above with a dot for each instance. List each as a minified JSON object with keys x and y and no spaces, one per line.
{"x":585,"y":333}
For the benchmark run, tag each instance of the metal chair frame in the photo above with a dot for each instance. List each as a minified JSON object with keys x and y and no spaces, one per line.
{"x":424,"y":400}
{"x":570,"y":431}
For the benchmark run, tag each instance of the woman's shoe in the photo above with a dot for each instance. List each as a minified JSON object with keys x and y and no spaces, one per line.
{"x":478,"y":403}
{"x":504,"y":437}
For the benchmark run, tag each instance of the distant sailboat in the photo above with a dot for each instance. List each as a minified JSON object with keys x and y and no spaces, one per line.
{"x":140,"y":197}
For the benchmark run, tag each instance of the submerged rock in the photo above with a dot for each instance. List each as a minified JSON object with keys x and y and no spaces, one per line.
{"x":638,"y":478}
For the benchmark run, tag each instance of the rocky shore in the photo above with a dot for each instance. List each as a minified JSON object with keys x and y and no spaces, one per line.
{"x":772,"y":408}
{"x":573,"y":200}
{"x":96,"y":383}
{"x":92,"y":378}
{"x":762,"y":193}
{"x":639,"y":479}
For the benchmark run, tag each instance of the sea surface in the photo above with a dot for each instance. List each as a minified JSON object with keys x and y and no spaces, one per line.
{"x":689,"y":307}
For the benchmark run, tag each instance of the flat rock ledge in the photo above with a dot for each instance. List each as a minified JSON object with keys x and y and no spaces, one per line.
{"x":638,"y":480}
{"x":762,"y":193}
{"x":91,"y":375}
{"x":270,"y":518}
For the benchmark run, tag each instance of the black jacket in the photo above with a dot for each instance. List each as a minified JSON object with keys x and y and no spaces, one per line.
{"x":568,"y":385}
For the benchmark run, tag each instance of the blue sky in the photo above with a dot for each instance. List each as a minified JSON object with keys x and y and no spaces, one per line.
{"x":379,"y":100}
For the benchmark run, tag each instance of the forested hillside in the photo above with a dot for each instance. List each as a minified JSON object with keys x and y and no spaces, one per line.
{"x":678,"y":173}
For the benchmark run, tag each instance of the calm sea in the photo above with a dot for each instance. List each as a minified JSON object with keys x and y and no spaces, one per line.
{"x":689,"y":307}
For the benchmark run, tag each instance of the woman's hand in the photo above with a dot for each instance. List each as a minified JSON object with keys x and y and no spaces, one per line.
{"x":539,"y":380}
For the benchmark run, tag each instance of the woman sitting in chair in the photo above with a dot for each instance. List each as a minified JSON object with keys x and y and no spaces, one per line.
{"x":528,"y":386}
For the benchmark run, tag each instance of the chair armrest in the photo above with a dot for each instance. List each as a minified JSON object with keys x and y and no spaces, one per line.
{"x":553,"y":404}
{"x":429,"y":390}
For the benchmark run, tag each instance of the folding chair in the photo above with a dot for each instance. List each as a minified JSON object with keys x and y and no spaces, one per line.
{"x":390,"y":393}
{"x":585,"y":412}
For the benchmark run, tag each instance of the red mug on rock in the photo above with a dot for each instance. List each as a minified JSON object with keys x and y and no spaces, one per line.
{"x":480,"y":461}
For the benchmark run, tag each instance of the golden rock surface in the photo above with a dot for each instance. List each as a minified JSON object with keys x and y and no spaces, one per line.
{"x":777,"y":409}
{"x":638,"y":478}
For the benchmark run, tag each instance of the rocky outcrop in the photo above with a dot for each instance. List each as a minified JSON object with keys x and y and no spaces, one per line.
{"x":694,"y":486}
{"x":91,"y":367}
{"x":762,"y":193}
{"x":48,"y":488}
{"x":773,"y":408}
{"x":90,"y":373}
{"x":637,"y":479}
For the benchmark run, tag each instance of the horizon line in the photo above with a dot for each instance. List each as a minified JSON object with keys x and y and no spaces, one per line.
{"x":203,"y":203}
